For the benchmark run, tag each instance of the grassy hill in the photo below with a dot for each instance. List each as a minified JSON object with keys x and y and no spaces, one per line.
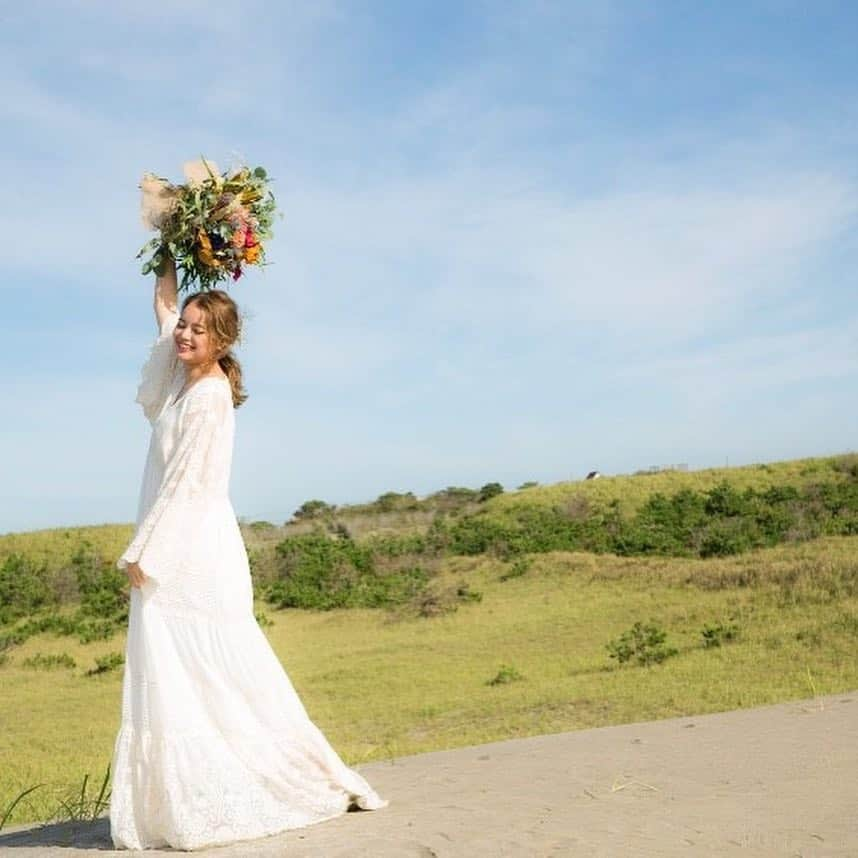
{"x":397,"y":514}
{"x":471,"y":645}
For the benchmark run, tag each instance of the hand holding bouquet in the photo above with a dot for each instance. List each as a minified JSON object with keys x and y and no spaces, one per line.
{"x":211,"y":226}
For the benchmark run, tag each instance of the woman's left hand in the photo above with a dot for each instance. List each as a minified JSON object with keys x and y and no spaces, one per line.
{"x":136,"y":576}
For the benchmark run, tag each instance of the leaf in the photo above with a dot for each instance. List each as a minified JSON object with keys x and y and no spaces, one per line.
{"x":260,"y":173}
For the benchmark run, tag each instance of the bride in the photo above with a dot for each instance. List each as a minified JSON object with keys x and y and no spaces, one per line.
{"x":214,"y":744}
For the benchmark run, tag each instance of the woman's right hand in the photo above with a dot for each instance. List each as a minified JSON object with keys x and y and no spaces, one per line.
{"x":136,"y":576}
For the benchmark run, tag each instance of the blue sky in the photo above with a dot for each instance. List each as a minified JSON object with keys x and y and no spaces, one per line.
{"x":521,"y":240}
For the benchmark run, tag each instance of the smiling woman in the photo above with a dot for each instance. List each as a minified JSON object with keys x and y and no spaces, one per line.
{"x":214,"y":744}
{"x":208,"y":324}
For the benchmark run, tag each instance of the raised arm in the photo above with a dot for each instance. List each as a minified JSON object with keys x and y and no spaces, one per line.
{"x":166,"y":292}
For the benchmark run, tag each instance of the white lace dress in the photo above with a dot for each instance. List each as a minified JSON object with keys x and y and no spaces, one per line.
{"x":214,"y":743}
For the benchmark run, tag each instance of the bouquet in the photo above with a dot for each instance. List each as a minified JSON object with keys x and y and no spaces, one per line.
{"x":212,"y":225}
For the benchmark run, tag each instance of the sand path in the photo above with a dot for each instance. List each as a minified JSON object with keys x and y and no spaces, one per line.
{"x":774,"y":781}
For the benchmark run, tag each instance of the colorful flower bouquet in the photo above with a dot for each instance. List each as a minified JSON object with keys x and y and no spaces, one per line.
{"x":212,"y":225}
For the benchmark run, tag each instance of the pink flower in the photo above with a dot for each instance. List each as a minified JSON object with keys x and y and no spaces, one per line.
{"x":239,"y":237}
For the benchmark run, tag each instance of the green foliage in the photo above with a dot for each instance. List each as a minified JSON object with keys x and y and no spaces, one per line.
{"x":101,"y":586}
{"x":435,"y":601}
{"x":452,"y":498}
{"x":394,"y":545}
{"x":489,"y":490}
{"x":643,"y":643}
{"x":48,"y":662}
{"x":318,"y":572}
{"x":195,"y":232}
{"x":465,"y":594}
{"x":24,"y":588}
{"x":7,"y":812}
{"x":263,"y":619}
{"x":390,"y":501}
{"x":106,"y":663}
{"x":506,"y":674}
{"x":350,"y":561}
{"x":79,"y":806}
{"x":313,"y":509}
{"x":29,"y":599}
{"x":516,"y":569}
{"x":714,"y":636}
{"x":718,"y":522}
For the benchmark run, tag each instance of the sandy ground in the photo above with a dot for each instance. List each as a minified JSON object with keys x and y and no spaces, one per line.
{"x":773,"y":781}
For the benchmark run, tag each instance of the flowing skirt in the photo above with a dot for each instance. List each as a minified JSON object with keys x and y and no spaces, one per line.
{"x":214,"y":744}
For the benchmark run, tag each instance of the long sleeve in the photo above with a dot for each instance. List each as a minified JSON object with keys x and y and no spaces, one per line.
{"x":156,"y":376}
{"x":191,"y":480}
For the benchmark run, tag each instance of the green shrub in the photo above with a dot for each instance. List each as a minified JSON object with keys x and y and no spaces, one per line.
{"x":643,"y":643}
{"x":102,"y":587}
{"x":465,"y":594}
{"x":24,"y":588}
{"x":318,"y":572}
{"x":507,"y":673}
{"x":390,"y":501}
{"x":48,"y":662}
{"x":489,"y":490}
{"x":517,"y":568}
{"x":263,"y":619}
{"x":313,"y":509}
{"x":714,"y":636}
{"x":78,"y":806}
{"x":106,"y":663}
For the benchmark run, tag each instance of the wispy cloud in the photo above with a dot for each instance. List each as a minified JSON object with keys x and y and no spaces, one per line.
{"x":520,"y":240}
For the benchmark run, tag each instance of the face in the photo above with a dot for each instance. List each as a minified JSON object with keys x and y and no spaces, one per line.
{"x":195,"y":345}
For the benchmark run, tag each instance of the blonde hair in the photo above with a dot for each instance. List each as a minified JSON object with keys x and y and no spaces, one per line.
{"x":224,"y":324}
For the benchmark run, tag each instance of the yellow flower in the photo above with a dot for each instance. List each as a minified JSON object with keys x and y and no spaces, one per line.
{"x":205,"y":252}
{"x":251,"y":254}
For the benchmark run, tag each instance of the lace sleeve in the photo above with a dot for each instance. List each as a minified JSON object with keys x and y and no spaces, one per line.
{"x":156,"y":376}
{"x":184,"y":491}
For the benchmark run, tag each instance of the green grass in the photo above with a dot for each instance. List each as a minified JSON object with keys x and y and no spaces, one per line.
{"x":386,"y":683}
{"x":632,"y":490}
{"x":56,"y":546}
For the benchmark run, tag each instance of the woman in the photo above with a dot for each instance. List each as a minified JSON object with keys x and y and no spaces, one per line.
{"x":214,"y":743}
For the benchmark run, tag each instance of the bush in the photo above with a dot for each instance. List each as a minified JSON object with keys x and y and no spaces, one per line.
{"x":101,"y":586}
{"x":489,"y":490}
{"x":507,"y":673}
{"x":390,"y":501}
{"x":642,"y":643}
{"x":516,"y":569}
{"x":106,"y":663}
{"x":313,"y":509}
{"x":47,"y":662}
{"x":318,"y":572}
{"x":453,"y":498}
{"x":714,"y":636}
{"x":23,"y":588}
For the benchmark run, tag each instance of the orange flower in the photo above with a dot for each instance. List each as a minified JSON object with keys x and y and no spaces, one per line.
{"x":251,"y":254}
{"x":205,"y":252}
{"x":239,"y":237}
